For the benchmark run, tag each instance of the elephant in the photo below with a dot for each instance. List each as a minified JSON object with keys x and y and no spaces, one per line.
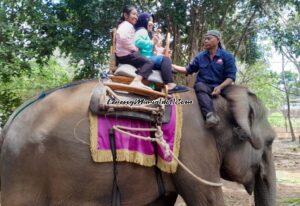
{"x":43,"y":164}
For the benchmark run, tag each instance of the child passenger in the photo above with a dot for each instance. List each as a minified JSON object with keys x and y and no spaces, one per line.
{"x":127,"y":52}
{"x":146,"y":45}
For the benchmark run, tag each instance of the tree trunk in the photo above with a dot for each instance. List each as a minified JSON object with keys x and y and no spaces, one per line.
{"x":292,"y":58}
{"x":176,"y":46}
{"x":285,"y":124}
{"x":287,"y":95}
{"x":177,"y":55}
{"x":196,"y":32}
{"x":245,"y":31}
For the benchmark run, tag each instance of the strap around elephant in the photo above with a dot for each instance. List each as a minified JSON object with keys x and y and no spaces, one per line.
{"x":116,"y":195}
{"x":158,"y":174}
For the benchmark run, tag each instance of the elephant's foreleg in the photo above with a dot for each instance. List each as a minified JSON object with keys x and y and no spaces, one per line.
{"x":205,"y":196}
{"x":167,"y":200}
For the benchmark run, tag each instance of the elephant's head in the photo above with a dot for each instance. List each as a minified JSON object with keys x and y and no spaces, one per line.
{"x":245,"y":140}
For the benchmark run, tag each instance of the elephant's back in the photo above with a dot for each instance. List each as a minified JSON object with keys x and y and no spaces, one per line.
{"x":46,"y":150}
{"x":47,"y":115}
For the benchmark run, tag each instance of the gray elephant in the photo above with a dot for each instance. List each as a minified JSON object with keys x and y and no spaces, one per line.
{"x":43,"y":164}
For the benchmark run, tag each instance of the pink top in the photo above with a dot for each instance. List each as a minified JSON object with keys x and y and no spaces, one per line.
{"x":125,"y":39}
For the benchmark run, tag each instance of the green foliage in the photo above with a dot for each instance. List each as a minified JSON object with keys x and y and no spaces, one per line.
{"x":189,"y":20}
{"x":13,"y":93}
{"x":289,"y":181}
{"x":290,"y":77}
{"x":86,"y":27}
{"x":287,"y":33}
{"x":11,"y":62}
{"x":291,"y":82}
{"x":283,"y":28}
{"x":276,"y":119}
{"x":292,"y":201}
{"x":81,"y":29}
{"x":263,"y":82}
{"x":32,"y":30}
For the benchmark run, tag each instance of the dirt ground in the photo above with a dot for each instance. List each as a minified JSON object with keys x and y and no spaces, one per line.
{"x":287,"y":163}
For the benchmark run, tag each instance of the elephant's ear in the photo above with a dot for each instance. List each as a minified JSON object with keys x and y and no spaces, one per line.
{"x":243,"y":114}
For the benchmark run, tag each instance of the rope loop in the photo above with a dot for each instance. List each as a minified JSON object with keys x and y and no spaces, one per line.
{"x":162,"y":142}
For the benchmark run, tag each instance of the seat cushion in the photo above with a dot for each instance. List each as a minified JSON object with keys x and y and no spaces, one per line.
{"x":128,"y":70}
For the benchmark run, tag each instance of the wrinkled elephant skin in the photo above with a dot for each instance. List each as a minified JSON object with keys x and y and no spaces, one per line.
{"x":42,"y":163}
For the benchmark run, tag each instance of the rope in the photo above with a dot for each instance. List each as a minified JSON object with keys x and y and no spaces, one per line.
{"x":195,"y":176}
{"x":136,"y":129}
{"x":160,"y":140}
{"x":112,"y":93}
{"x":134,"y":135}
{"x":77,"y":124}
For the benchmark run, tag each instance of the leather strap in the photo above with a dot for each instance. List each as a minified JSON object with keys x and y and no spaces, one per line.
{"x":159,"y":179}
{"x":116,"y":195}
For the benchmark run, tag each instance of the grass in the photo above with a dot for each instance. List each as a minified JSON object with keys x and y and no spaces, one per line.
{"x":276,"y":119}
{"x":287,"y":177}
{"x":287,"y":180}
{"x":292,"y":201}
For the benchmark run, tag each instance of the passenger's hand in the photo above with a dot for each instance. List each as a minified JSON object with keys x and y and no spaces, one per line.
{"x":155,"y":39}
{"x":170,"y":53}
{"x":179,"y":68}
{"x":135,"y":49}
{"x":217,"y":91}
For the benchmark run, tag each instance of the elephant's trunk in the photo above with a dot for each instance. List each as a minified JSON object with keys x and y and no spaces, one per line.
{"x":265,"y":182}
{"x":240,"y":108}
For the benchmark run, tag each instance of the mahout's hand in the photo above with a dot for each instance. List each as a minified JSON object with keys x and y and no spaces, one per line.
{"x":217,"y":91}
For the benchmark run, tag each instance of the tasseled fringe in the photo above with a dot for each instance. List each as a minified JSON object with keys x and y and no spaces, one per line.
{"x":124,"y":155}
{"x":136,"y":157}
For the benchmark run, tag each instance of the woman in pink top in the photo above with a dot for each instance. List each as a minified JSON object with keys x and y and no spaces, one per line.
{"x":127,"y":52}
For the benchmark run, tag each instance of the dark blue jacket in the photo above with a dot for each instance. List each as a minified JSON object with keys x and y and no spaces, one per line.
{"x":213,"y":72}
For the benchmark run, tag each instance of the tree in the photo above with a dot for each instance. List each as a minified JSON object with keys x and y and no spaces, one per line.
{"x":31,"y":32}
{"x":287,"y":81}
{"x":189,"y":20}
{"x":263,"y":82}
{"x":285,"y":32}
{"x":81,"y":29}
{"x":12,"y":61}
{"x":25,"y":86}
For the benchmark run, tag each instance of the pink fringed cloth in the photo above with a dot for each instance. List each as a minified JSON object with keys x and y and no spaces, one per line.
{"x":134,"y":150}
